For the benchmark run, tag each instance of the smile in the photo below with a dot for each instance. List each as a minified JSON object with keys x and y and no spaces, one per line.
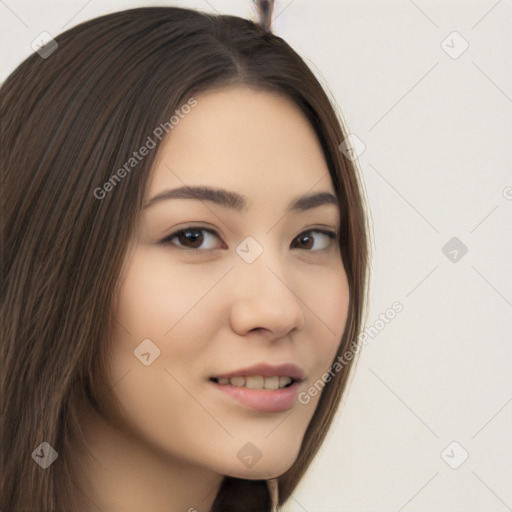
{"x":260,"y":398}
{"x":256,"y":382}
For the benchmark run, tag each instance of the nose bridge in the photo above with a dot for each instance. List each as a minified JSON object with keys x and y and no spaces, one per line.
{"x":260,"y":264}
{"x":263,"y":298}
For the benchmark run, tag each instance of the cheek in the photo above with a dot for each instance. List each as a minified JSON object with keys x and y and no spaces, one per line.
{"x":329,"y":304}
{"x":145,"y":306}
{"x":176,"y":307}
{"x":336,"y":303}
{"x":160,"y":311}
{"x":156,"y":295}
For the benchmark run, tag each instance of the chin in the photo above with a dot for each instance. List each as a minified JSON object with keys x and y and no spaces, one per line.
{"x":253,"y":474}
{"x":261,"y":470}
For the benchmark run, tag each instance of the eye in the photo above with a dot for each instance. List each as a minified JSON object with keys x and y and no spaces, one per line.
{"x":194,"y":239}
{"x":315,"y":240}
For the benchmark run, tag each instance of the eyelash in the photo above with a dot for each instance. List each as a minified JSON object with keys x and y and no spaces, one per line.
{"x":167,"y":240}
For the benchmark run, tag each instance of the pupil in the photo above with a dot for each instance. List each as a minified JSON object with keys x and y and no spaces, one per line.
{"x":190,"y":237}
{"x":308,"y":240}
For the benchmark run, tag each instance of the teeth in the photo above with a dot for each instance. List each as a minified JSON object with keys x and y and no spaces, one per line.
{"x":256,"y":382}
{"x":271,"y":383}
{"x":283,"y":381}
{"x":237,"y":381}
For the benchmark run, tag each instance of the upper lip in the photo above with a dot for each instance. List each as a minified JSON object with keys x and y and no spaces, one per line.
{"x":267,"y":370}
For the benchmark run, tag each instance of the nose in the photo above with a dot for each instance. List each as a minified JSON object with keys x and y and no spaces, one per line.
{"x":264,"y":300}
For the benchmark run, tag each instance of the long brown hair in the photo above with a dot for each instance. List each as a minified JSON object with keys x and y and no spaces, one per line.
{"x":69,"y":120}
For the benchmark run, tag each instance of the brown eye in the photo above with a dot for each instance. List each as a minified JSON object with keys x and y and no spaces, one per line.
{"x":306,"y":241}
{"x":313,"y":238}
{"x":192,"y":239}
{"x":196,"y":238}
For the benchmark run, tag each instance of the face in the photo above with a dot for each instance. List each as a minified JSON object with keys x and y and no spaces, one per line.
{"x":216,"y":283}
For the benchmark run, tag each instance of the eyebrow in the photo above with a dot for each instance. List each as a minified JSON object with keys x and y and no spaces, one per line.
{"x":237,"y":202}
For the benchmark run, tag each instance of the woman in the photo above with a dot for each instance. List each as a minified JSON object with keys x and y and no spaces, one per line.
{"x":184,"y":266}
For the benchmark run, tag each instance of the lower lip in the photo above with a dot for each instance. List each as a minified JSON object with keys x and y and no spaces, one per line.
{"x":263,"y":400}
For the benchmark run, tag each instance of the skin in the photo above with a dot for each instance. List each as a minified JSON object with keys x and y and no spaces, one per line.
{"x":211,"y":312}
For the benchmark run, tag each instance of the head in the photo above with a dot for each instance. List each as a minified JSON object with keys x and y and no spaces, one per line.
{"x":132,"y":299}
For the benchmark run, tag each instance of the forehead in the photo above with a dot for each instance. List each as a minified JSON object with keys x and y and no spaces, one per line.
{"x":244,"y":139}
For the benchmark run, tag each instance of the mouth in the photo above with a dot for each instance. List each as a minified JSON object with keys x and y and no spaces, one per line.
{"x":256,"y":382}
{"x":264,"y":388}
{"x":262,"y":376}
